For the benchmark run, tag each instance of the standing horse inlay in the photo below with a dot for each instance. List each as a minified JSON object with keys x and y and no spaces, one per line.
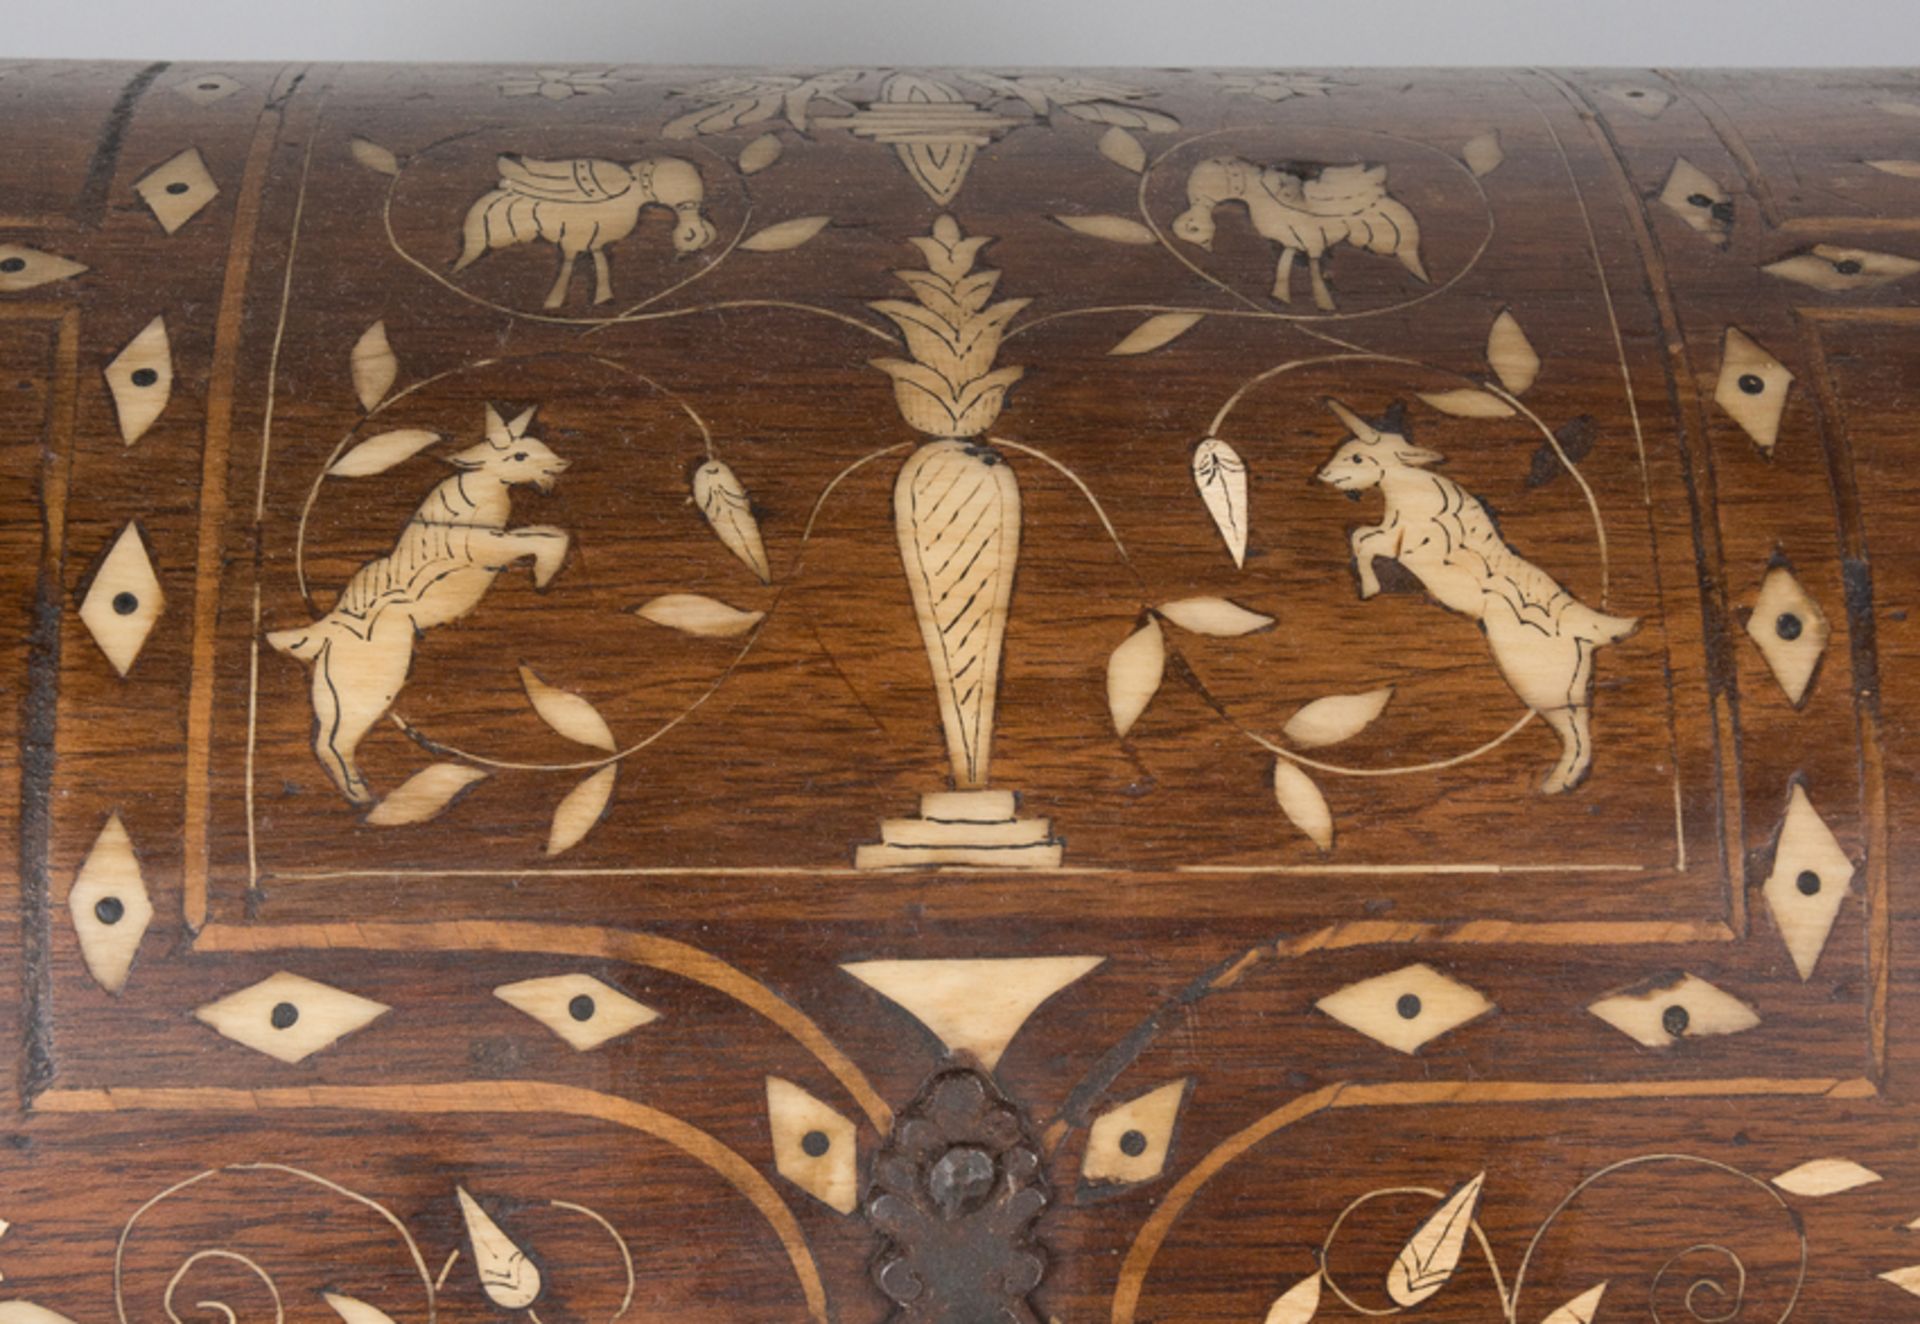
{"x":1304,"y":214}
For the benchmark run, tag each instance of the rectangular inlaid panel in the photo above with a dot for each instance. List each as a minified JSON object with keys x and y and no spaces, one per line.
{"x":958,"y":695}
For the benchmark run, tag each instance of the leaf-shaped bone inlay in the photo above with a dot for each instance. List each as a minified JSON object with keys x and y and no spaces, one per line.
{"x":1123,"y":149}
{"x":177,"y":189}
{"x":373,"y":365}
{"x":140,"y":380}
{"x":29,"y":1312}
{"x":379,"y":453}
{"x":723,"y":500}
{"x":1511,"y":355}
{"x":510,"y":1279}
{"x":1337,"y":717}
{"x":1580,"y":1310}
{"x":22,"y":268}
{"x":1468,"y":403}
{"x":352,"y":1310}
{"x":289,"y":1017}
{"x":1837,"y":270}
{"x":124,"y":601}
{"x":579,"y":1008}
{"x":1809,"y":880}
{"x":1117,"y":229}
{"x":1790,"y":630}
{"x":1697,"y":199}
{"x":566,"y":712}
{"x":1161,"y":329}
{"x":1405,"y":1008}
{"x":1132,"y":1142}
{"x":693,"y":613}
{"x":787,"y":234}
{"x":759,"y":154}
{"x":1298,"y":1304}
{"x":1300,"y":800}
{"x":581,"y":809}
{"x":1752,"y":388}
{"x":1663,"y":1013}
{"x":374,"y":157}
{"x":110,"y":907}
{"x":1827,"y":1176}
{"x":1134,"y":672}
{"x":425,"y":795}
{"x":1221,"y":477}
{"x":1214,"y":616}
{"x":814,"y":1146}
{"x":1431,"y":1255}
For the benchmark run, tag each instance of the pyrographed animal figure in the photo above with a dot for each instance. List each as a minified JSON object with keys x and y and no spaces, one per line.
{"x":440,"y":567}
{"x":580,"y":206}
{"x":1307,"y":214}
{"x":1543,"y":638}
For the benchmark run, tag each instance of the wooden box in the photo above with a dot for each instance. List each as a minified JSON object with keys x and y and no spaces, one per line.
{"x":750,"y":696}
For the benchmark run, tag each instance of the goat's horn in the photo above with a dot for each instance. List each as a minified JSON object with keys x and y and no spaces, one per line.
{"x":497,"y":435}
{"x":1355,"y":424}
{"x":518,"y":427}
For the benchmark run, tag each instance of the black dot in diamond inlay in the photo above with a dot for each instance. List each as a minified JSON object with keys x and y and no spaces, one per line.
{"x":1787,"y":626}
{"x":1808,"y":882}
{"x":109,"y":909}
{"x":1408,"y":1006}
{"x":815,"y":1143}
{"x":284,"y":1015}
{"x":581,"y":1008}
{"x":1675,"y":1019}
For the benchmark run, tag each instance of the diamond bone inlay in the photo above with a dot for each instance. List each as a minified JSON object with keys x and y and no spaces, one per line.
{"x":110,"y":907}
{"x":140,"y":379}
{"x":1790,"y":630}
{"x":579,"y":1008}
{"x":289,"y":1017}
{"x":1810,"y":878}
{"x":1836,"y":270}
{"x":22,"y":268}
{"x":124,"y":600}
{"x":1696,"y":198}
{"x":813,"y":1146}
{"x":1131,"y":1143}
{"x":1406,"y":1008}
{"x":1752,"y":388}
{"x":1662,"y":1013}
{"x":177,"y":188}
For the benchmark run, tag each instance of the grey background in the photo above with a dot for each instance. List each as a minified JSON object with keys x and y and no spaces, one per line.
{"x":1288,"y":33}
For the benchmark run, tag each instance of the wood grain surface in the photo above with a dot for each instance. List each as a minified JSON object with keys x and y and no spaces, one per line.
{"x":958,"y":695}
